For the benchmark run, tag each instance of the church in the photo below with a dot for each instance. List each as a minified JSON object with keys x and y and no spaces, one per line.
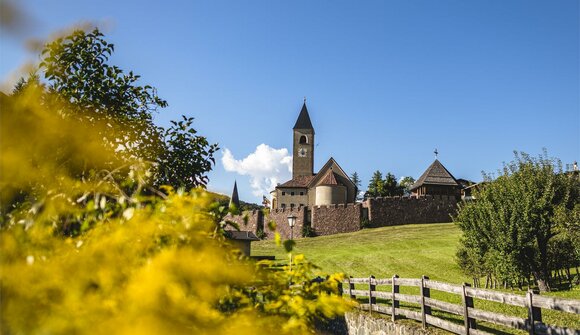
{"x":331,"y":185}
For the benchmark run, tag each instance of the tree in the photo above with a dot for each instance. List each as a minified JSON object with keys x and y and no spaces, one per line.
{"x":161,"y":248}
{"x":387,"y":187}
{"x":93,"y":92}
{"x":406,"y":183}
{"x":356,"y":181}
{"x":186,"y":158}
{"x":76,"y":68}
{"x":515,"y":218}
{"x":376,"y":185}
{"x":391,"y":187}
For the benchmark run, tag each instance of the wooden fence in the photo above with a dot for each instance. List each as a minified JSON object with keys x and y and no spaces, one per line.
{"x":467,"y":311}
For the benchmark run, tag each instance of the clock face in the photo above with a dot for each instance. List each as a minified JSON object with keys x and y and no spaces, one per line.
{"x":302,"y":152}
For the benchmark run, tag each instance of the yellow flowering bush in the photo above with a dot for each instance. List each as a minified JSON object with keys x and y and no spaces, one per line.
{"x":85,"y":249}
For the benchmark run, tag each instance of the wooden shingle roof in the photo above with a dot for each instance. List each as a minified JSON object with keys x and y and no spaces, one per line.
{"x":436,"y":174}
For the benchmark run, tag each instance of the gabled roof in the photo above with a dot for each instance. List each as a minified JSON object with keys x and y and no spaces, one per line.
{"x":329,"y":179}
{"x":241,"y":235}
{"x":436,"y":174}
{"x":338,"y":174}
{"x":298,"y":182}
{"x":303,"y":121}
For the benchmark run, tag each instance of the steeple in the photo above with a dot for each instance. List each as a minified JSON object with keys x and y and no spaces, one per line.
{"x":303,"y":148}
{"x":235,"y":199}
{"x":303,"y":121}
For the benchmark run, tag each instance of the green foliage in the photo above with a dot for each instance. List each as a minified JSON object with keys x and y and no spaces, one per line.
{"x":376,"y":186}
{"x":391,"y":187}
{"x":406,"y":183}
{"x":93,"y":92}
{"x":357,"y":183}
{"x":509,"y":229}
{"x":186,"y":157}
{"x":75,"y":67}
{"x":91,"y":258}
{"x":387,"y":187}
{"x":307,"y":231}
{"x":260,"y":234}
{"x":365,"y":223}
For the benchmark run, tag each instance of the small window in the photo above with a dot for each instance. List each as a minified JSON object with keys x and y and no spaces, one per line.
{"x":291,"y":205}
{"x":303,"y":139}
{"x":283,"y":206}
{"x":283,"y":193}
{"x":301,"y":193}
{"x":291,"y":193}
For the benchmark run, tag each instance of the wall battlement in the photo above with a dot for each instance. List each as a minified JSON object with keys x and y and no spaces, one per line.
{"x":298,"y":209}
{"x":411,"y":199}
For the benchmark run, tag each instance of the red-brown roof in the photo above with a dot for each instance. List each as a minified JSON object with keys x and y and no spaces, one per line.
{"x":298,"y":182}
{"x":329,"y":179}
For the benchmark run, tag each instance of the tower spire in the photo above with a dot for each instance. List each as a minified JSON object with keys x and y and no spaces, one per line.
{"x":235,"y":199}
{"x":303,"y":147}
{"x":303,"y":121}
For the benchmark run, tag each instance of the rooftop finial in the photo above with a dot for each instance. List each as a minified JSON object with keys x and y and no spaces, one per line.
{"x":436,"y":153}
{"x":304,"y":99}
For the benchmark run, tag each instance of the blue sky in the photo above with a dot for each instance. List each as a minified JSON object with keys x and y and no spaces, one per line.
{"x":386,"y":82}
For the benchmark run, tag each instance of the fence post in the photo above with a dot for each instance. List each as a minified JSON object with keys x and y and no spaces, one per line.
{"x":468,"y":322}
{"x":372,"y":288}
{"x":395,"y":290}
{"x":340,"y":289}
{"x":534,"y":313}
{"x":425,"y":293}
{"x":531,"y":312}
{"x":350,"y":288}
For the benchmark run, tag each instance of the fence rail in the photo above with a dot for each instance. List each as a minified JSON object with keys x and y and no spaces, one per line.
{"x":533,"y":302}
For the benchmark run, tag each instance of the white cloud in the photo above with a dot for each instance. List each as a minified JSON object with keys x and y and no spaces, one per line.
{"x":266,"y":167}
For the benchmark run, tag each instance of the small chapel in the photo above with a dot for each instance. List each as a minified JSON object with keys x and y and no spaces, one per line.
{"x":331,"y":185}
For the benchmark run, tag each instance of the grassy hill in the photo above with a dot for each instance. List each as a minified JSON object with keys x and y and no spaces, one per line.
{"x":408,"y":250}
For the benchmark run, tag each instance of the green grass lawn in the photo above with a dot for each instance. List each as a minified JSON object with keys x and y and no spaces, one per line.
{"x":408,"y":251}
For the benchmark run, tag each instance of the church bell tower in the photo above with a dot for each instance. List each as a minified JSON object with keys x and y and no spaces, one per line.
{"x":303,"y":148}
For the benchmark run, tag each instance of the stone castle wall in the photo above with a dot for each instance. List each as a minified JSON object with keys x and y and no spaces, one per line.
{"x":336,"y":219}
{"x":280,"y":217}
{"x":392,"y":211}
{"x":255,"y":219}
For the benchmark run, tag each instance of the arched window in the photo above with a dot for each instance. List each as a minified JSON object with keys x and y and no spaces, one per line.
{"x":303,"y":139}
